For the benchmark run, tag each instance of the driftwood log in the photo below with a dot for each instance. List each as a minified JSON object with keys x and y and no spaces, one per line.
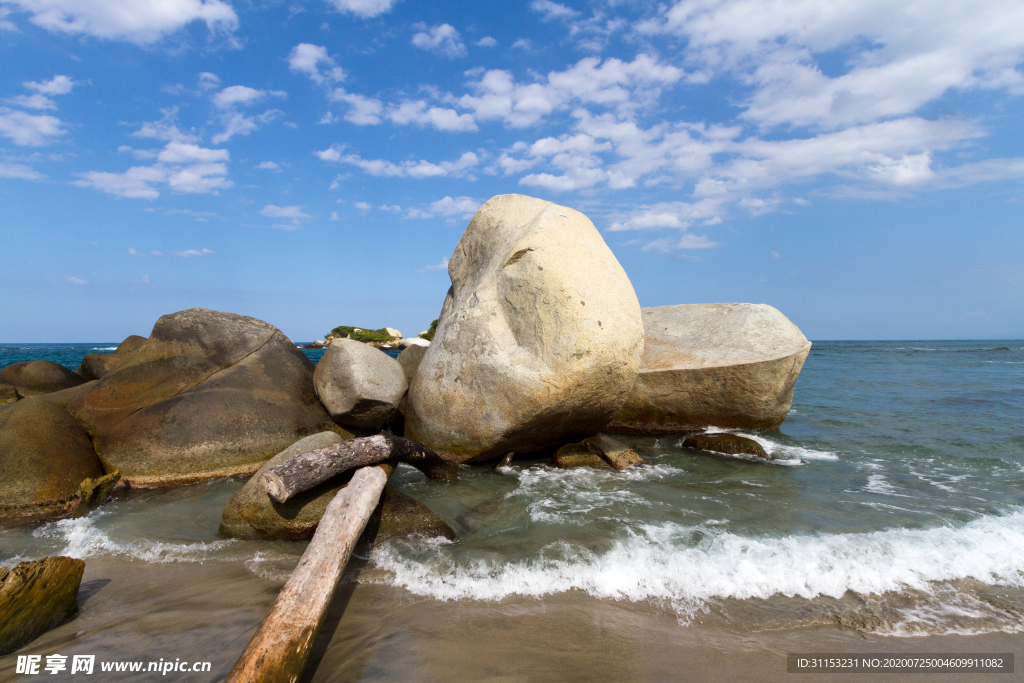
{"x":307,"y":470}
{"x":278,"y":651}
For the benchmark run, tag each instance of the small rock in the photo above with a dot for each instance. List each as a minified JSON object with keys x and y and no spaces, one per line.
{"x":36,"y":597}
{"x":360,"y":386}
{"x":97,"y":365}
{"x":37,"y":377}
{"x":399,"y":516}
{"x":131,"y":343}
{"x":506,"y":460}
{"x":730,"y":444}
{"x":577,"y":455}
{"x":618,"y":455}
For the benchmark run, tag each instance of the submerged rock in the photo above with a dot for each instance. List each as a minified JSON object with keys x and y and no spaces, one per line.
{"x":722,"y":365}
{"x":359,"y":385}
{"x":730,"y":444}
{"x":36,"y":597}
{"x":577,"y":455}
{"x":250,"y":513}
{"x":44,"y":457}
{"x":38,"y":377}
{"x":209,"y":394}
{"x":539,"y":338}
{"x":617,"y":454}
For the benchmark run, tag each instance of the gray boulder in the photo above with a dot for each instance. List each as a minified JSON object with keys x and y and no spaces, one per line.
{"x":359,"y":385}
{"x":209,"y":394}
{"x":722,"y":365}
{"x":44,"y":458}
{"x":539,"y":339}
{"x":729,"y":444}
{"x":37,"y":377}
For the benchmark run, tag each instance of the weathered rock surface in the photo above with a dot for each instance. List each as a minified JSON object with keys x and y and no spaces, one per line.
{"x":410,"y":360}
{"x":44,"y":457}
{"x":98,"y":365}
{"x":359,"y":385}
{"x":209,"y":394}
{"x":617,"y":454}
{"x":250,"y":513}
{"x":36,"y":597}
{"x":37,"y":377}
{"x":395,"y":334}
{"x":723,"y":365}
{"x":577,"y":455}
{"x":8,"y":394}
{"x":539,"y":338}
{"x":730,"y":444}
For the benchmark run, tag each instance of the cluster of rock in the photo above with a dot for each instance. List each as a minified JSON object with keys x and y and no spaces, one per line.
{"x":397,"y":341}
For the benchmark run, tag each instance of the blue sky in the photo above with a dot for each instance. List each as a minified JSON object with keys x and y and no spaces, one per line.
{"x":858,"y":164}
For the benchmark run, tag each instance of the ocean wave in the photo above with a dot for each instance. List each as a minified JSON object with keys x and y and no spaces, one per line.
{"x":663,"y":564}
{"x":782,"y":454}
{"x":104,"y":348}
{"x":82,"y":537}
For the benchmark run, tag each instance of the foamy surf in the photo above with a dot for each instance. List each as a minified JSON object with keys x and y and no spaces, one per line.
{"x":688,"y":567}
{"x":782,"y":454}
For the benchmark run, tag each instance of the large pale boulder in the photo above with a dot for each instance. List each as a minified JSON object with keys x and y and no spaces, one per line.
{"x":539,"y":339}
{"x":722,"y":365}
{"x":44,"y":458}
{"x":37,"y":377}
{"x":359,"y":385}
{"x":209,"y":394}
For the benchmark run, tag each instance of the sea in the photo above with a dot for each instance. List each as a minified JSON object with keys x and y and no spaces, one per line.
{"x":894,"y":508}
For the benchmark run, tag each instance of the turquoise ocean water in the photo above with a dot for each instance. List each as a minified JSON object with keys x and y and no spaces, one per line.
{"x":896,"y":506}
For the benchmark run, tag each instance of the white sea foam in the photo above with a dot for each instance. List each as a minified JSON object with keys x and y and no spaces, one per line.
{"x":104,"y":348}
{"x":82,"y":537}
{"x":878,"y":484}
{"x":661,"y":563}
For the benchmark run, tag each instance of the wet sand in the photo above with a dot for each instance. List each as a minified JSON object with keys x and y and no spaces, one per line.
{"x":133,"y":610}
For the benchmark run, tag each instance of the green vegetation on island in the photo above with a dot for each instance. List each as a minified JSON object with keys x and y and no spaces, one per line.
{"x":359,"y":334}
{"x":429,"y":334}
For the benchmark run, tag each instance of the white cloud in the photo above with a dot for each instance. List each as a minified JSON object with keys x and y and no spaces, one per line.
{"x":410,"y":169}
{"x":240,"y":95}
{"x":306,"y":58}
{"x":486,"y":41}
{"x":443,"y":265}
{"x":332,"y":153}
{"x":695,"y":242}
{"x":894,"y":57}
{"x":294,"y":213}
{"x":269,"y":166}
{"x":58,"y":85}
{"x":76,"y":281}
{"x":138,"y":21}
{"x":191,"y":253}
{"x":165,"y":129}
{"x":523,"y":44}
{"x":186,"y":153}
{"x":418,"y":112}
{"x":363,"y":206}
{"x":208,"y":81}
{"x":553,"y":10}
{"x":464,"y":206}
{"x":364,"y":9}
{"x":32,"y":101}
{"x":34,"y":130}
{"x":236,"y":123}
{"x":442,"y":39}
{"x":20,"y":172}
{"x":363,"y":111}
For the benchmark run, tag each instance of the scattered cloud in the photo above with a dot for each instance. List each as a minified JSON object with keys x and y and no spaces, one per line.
{"x":486,"y":41}
{"x":137,"y":21}
{"x":553,"y":10}
{"x":409,"y":169}
{"x":363,"y":206}
{"x":459,"y":206}
{"x":33,"y":130}
{"x":240,"y":95}
{"x":307,"y":58}
{"x":191,"y":253}
{"x":293,"y":213}
{"x":420,"y":113}
{"x":58,"y":85}
{"x":364,"y":9}
{"x":443,"y":265}
{"x":269,"y":166}
{"x":208,"y":81}
{"x":442,"y":40}
{"x":76,"y":281}
{"x":363,"y":111}
{"x":20,"y":172}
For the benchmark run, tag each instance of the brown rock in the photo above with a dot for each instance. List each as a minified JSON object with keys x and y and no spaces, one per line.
{"x":209,"y":394}
{"x":619,"y":455}
{"x":37,"y":377}
{"x":36,"y":597}
{"x":577,"y":455}
{"x":44,"y":457}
